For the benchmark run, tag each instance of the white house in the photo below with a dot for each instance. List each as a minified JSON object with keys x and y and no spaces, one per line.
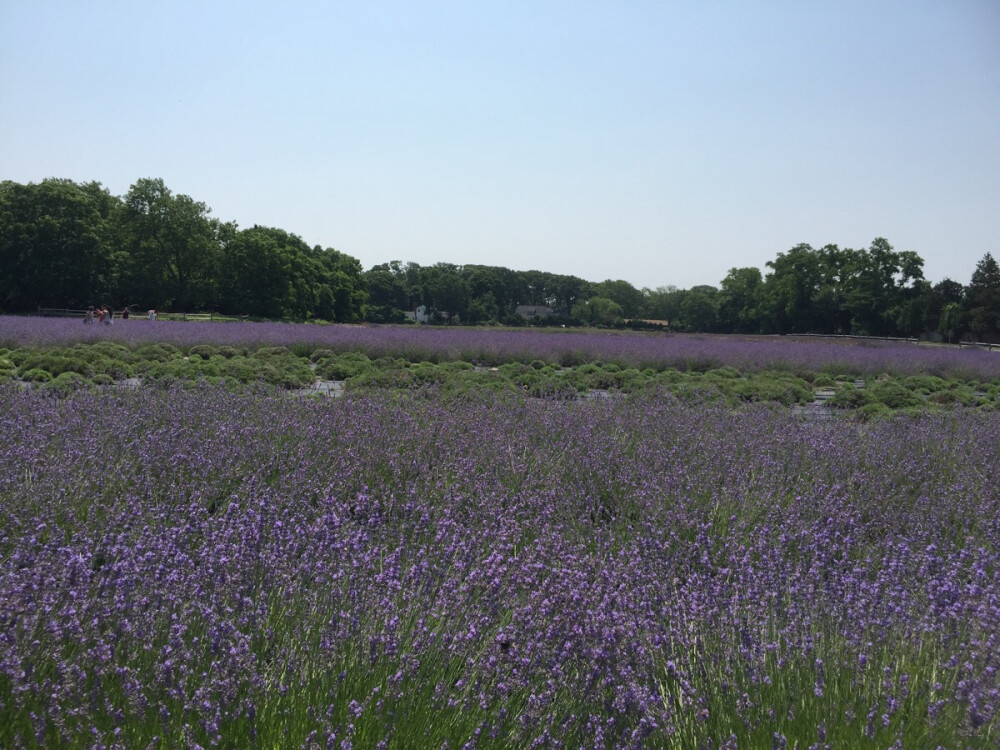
{"x":419,"y":314}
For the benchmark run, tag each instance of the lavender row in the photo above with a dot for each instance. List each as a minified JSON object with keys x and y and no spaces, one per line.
{"x":246,"y":570}
{"x":486,"y":346}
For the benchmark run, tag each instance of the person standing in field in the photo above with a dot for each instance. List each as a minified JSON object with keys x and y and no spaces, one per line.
{"x":100,"y":314}
{"x":88,"y":317}
{"x":125,"y":314}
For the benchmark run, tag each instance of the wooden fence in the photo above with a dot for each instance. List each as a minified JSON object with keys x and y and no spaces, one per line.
{"x":980,"y":345}
{"x":65,"y":312}
{"x":975,"y":344}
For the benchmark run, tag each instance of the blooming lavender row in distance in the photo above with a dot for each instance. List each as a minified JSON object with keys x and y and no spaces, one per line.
{"x":491,"y":347}
{"x":212,"y":568}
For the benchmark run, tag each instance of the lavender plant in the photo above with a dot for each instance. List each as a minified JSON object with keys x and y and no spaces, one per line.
{"x":496,"y":347}
{"x":185,"y":567}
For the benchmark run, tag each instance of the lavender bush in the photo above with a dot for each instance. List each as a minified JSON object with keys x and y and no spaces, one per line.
{"x":185,"y":568}
{"x":492,"y":347}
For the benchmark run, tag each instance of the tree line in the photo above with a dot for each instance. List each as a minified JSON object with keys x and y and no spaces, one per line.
{"x":65,"y":244}
{"x":70,"y":245}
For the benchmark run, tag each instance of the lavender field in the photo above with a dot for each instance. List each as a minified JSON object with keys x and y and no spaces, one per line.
{"x":491,"y":347}
{"x":212,"y":567}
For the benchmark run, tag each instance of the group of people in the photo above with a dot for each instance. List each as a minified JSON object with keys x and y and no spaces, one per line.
{"x":103,"y":314}
{"x":106,"y":315}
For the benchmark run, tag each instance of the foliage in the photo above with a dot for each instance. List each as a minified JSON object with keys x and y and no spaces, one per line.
{"x":983,"y":297}
{"x":56,"y":244}
{"x":171,"y":247}
{"x":66,"y":245}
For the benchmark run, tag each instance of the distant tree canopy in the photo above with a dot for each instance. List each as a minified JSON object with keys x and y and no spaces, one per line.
{"x":68,"y":245}
{"x":64,"y":244}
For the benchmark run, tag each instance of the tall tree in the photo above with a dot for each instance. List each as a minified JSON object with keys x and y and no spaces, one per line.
{"x":830,"y":313}
{"x":881,"y":284}
{"x":173,"y":247}
{"x":700,"y":309}
{"x":387,"y":295}
{"x":936,"y":298}
{"x":739,"y":297}
{"x":983,"y":298}
{"x":342,"y":276}
{"x":630,"y":299}
{"x":663,"y":303}
{"x":56,"y":245}
{"x":950,"y":323}
{"x":254,"y":275}
{"x":789,"y":290}
{"x":598,"y":311}
{"x":444,"y":290}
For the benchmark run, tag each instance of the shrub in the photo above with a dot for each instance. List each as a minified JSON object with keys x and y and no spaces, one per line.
{"x":294,"y":374}
{"x":56,"y":363}
{"x":271,"y":351}
{"x":456,"y":365}
{"x":344,"y":366}
{"x":725,"y":372}
{"x":923,"y":383}
{"x":872,"y":411}
{"x":824,"y":380}
{"x":240,"y":368}
{"x":66,"y":383}
{"x":768,"y":387}
{"x":849,"y":397}
{"x":111,"y":349}
{"x":206,"y":351}
{"x":37,"y":375}
{"x":319,"y":354}
{"x":894,"y":394}
{"x":158,"y":352}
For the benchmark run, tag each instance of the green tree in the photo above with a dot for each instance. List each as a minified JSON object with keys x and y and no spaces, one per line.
{"x":483,"y":309}
{"x":271,"y":273}
{"x":254,"y":275}
{"x":56,"y":245}
{"x":598,"y":311}
{"x":830,"y":314}
{"x":739,"y":297}
{"x":786,"y":300}
{"x":443,"y":290}
{"x":492,"y":296}
{"x":557,"y":291}
{"x":700,"y":309}
{"x":937,"y":298}
{"x":343,"y":294}
{"x":663,"y":303}
{"x":983,"y":299}
{"x":881,"y":284}
{"x":630,"y":299}
{"x":387,"y":295}
{"x":950,"y":324}
{"x":173,"y":247}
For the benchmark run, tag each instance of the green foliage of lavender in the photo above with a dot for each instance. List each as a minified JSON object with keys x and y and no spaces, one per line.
{"x":237,"y":568}
{"x":491,"y":347}
{"x":63,"y":356}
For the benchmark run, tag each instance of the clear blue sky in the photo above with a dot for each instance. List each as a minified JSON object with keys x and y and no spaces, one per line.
{"x":656,"y":142}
